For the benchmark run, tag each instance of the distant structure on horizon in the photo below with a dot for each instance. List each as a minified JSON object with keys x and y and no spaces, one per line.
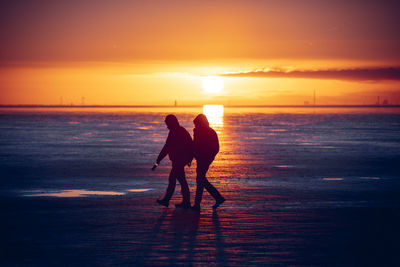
{"x":175,"y":103}
{"x":315,"y":101}
{"x":306,"y":103}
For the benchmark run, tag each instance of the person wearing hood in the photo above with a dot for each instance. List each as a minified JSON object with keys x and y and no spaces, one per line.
{"x":179,"y":148}
{"x":206,"y":147}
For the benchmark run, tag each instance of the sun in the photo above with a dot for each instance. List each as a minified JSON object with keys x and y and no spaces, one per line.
{"x":213,"y":84}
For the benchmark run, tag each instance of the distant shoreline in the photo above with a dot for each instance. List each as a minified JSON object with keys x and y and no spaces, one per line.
{"x":199,"y":106}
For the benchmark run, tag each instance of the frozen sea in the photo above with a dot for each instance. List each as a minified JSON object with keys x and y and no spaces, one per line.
{"x":112,"y":149}
{"x":317,"y":172}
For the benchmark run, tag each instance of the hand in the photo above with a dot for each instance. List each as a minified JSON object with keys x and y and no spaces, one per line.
{"x":154,"y":166}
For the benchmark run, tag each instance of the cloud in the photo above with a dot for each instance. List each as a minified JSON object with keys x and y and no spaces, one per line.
{"x":355,"y":74}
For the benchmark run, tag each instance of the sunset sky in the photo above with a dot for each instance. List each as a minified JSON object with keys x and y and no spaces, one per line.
{"x":156,"y":52}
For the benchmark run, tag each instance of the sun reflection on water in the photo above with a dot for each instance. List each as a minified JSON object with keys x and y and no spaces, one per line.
{"x":214,"y":114}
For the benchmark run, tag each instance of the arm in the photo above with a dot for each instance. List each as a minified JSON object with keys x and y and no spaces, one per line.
{"x":163,"y":153}
{"x":216,"y":148}
{"x":165,"y":149}
{"x":195,"y":143}
{"x":190,"y":148}
{"x":213,"y":145}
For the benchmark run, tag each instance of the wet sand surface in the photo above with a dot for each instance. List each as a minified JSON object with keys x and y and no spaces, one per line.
{"x":256,"y":226}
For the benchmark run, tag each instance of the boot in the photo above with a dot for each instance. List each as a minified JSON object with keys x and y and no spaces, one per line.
{"x":183,"y":205}
{"x":218,"y":202}
{"x":163,"y":202}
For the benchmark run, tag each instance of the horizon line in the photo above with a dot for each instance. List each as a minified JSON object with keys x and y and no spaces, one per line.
{"x":199,"y":106}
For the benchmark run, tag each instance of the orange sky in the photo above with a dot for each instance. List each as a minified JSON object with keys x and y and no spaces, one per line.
{"x":155,"y":52}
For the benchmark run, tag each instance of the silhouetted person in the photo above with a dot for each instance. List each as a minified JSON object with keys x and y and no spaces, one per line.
{"x":206,"y":147}
{"x":179,"y":148}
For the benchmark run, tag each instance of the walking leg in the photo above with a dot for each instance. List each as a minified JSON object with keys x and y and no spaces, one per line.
{"x":212,"y":190}
{"x":184,"y":187}
{"x":200,"y":177}
{"x":171,"y":184}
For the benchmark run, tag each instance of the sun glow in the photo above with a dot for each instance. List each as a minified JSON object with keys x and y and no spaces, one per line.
{"x":213,"y":84}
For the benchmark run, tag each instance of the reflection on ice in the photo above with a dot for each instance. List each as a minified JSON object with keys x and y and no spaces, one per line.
{"x":371,"y":178}
{"x":78,"y":193}
{"x":69,"y":193}
{"x":278,"y":130}
{"x":214,"y":114}
{"x":284,"y":166}
{"x":332,"y":179}
{"x":139,"y":190}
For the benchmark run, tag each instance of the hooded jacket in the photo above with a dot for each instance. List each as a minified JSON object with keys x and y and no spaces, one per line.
{"x":179,"y":146}
{"x":206,"y":144}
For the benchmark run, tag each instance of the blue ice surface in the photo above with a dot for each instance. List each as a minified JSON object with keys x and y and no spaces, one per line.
{"x":114,"y":149}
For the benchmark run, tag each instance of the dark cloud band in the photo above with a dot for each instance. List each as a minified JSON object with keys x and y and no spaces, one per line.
{"x":357,"y":74}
